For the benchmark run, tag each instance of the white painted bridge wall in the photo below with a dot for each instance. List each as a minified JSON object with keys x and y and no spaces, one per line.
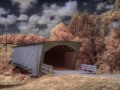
{"x":28,"y":56}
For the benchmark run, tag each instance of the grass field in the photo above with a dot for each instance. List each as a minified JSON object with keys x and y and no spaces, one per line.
{"x":70,"y":82}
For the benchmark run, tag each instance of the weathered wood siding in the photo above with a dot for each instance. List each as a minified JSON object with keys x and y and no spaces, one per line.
{"x":69,"y":59}
{"x":28,"y":57}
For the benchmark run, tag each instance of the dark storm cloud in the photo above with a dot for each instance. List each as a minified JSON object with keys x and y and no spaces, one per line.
{"x":39,"y":16}
{"x":49,"y":11}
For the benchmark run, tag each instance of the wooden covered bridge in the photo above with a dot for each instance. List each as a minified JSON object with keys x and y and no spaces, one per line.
{"x":58,"y":55}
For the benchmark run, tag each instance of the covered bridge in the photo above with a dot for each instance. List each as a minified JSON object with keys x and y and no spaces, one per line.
{"x":59,"y":54}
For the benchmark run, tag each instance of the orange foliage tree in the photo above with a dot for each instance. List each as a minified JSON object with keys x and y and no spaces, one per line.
{"x":19,"y":39}
{"x":111,"y":57}
{"x":60,"y":33}
{"x":87,"y":28}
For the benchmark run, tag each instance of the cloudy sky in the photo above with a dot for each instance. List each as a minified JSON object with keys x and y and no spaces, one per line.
{"x":39,"y":16}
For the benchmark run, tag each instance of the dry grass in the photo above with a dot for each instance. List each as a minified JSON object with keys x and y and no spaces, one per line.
{"x":9,"y":81}
{"x":3,"y":51}
{"x":70,"y":82}
{"x":7,"y":76}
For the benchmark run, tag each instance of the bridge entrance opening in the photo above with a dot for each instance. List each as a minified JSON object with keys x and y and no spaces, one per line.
{"x":60,"y":57}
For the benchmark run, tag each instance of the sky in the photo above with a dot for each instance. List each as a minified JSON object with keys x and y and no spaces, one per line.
{"x":40,"y":16}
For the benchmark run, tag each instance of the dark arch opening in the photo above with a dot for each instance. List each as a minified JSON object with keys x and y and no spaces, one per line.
{"x":60,"y":57}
